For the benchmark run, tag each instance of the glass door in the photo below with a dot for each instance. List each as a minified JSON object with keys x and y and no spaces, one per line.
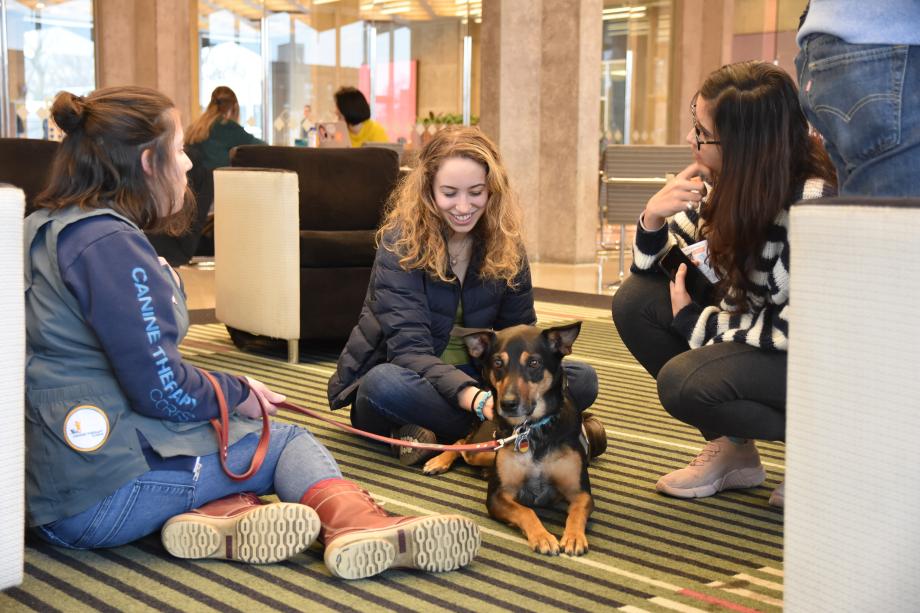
{"x":46,"y":47}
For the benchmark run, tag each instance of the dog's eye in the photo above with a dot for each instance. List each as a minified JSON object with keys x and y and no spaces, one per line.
{"x":534,"y":363}
{"x":497,"y":362}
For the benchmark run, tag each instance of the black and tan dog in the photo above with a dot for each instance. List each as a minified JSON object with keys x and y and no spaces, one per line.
{"x":547,"y":461}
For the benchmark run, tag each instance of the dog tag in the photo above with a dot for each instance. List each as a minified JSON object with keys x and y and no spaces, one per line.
{"x":522,"y":444}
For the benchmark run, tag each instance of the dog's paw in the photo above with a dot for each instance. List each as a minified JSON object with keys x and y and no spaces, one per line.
{"x":437,"y":465}
{"x":574,"y":544}
{"x":544,"y":543}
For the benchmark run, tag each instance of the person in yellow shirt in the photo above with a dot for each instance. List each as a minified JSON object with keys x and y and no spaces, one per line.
{"x":355,"y":111}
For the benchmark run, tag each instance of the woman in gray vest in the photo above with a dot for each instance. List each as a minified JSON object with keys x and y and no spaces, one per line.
{"x":118,"y":432}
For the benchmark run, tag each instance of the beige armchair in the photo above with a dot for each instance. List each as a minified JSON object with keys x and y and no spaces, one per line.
{"x":12,"y":377}
{"x":853,"y":409}
{"x":257,"y":252}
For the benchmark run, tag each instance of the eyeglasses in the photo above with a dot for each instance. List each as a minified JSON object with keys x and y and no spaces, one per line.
{"x":697,"y":130}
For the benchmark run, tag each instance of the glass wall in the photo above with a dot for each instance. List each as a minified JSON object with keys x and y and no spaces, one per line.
{"x":634,"y":71}
{"x":416,"y":61}
{"x":49,"y":48}
{"x":230,"y":53}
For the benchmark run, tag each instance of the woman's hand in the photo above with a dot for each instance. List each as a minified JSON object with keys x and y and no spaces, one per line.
{"x":682,"y":192}
{"x":258,"y":390}
{"x":466,"y":397}
{"x":679,"y":296}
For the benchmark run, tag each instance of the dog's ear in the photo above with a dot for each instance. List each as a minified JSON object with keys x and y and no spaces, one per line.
{"x":561,"y":338}
{"x":478,"y":342}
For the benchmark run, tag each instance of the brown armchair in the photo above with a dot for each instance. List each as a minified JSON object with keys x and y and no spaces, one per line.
{"x":342,"y":193}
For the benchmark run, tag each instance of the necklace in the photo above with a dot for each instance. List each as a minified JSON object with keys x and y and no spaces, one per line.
{"x":461,"y":253}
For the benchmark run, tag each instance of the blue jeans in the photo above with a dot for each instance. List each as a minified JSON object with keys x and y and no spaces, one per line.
{"x":391,"y":396}
{"x":865,"y":102}
{"x":295,"y":461}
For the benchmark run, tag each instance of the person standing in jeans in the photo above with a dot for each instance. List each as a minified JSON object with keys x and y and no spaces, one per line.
{"x":721,"y":365}
{"x":859,"y":83}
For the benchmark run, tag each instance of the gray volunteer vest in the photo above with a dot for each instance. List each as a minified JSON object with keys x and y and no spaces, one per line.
{"x":72,"y":396}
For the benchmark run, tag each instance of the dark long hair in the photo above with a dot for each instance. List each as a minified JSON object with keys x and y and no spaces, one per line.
{"x":767,"y":155}
{"x":99,"y":162}
{"x":223,"y":106}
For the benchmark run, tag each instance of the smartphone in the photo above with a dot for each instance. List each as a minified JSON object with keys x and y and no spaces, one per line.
{"x":698,"y":286}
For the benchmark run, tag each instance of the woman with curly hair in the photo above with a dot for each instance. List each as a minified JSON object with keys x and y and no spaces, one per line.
{"x":720,"y":359}
{"x":450,"y":252}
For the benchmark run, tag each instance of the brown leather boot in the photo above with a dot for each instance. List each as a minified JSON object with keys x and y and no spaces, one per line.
{"x":595,"y":434}
{"x":241,"y":527}
{"x":363,"y":540}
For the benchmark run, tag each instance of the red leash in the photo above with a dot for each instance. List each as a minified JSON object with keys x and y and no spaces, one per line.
{"x":486,"y":446}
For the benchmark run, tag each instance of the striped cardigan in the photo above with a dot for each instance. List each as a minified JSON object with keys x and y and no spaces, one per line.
{"x":766,"y":323}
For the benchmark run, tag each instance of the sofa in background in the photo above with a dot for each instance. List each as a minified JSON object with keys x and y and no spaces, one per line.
{"x":341,"y":199}
{"x":26,"y":163}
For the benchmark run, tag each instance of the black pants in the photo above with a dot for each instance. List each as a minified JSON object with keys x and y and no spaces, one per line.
{"x":724,"y":389}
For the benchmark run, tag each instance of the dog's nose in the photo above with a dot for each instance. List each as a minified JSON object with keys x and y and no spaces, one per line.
{"x":509,"y":404}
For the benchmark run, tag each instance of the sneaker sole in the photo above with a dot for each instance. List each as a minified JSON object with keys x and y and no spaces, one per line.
{"x":434,"y":544}
{"x":269,"y":533}
{"x":736,"y":479}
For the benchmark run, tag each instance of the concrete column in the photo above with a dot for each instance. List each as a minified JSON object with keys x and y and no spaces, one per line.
{"x":540,"y":102}
{"x":702,"y":43}
{"x":152,"y":43}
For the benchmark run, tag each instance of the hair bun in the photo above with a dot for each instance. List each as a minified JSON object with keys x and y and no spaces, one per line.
{"x":69,"y":111}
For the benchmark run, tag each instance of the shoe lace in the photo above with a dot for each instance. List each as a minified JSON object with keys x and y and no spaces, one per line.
{"x":710,"y":451}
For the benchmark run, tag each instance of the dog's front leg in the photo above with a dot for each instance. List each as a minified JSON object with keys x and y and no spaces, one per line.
{"x":442,"y":462}
{"x":503,"y":507}
{"x":574,"y":540}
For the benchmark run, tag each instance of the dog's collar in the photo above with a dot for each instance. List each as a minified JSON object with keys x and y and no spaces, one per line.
{"x":520,"y":436}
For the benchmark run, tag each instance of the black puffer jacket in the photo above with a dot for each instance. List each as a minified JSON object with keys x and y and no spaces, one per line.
{"x":407,"y":318}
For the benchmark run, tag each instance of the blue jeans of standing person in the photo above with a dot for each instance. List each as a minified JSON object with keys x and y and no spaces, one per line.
{"x":295,"y":462}
{"x":865,"y":102}
{"x":391,"y":396}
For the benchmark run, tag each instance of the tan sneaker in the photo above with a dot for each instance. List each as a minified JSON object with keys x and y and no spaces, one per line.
{"x":778,"y":497}
{"x":721,"y":465}
{"x":243,"y":528}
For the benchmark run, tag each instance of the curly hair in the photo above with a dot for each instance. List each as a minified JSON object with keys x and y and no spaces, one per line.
{"x":415,"y":229}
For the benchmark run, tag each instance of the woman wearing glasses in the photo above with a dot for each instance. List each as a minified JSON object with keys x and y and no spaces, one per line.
{"x":719,"y":356}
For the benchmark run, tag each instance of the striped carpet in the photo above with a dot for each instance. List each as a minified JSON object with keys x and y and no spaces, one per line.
{"x":648,"y":552}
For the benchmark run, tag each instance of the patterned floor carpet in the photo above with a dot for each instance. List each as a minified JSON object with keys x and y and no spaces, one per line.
{"x":648,"y":552}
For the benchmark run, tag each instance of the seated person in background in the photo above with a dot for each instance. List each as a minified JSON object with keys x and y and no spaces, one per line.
{"x":721,"y":364}
{"x":118,"y":435}
{"x":354,"y":110}
{"x":217,"y":130}
{"x":208,"y":143}
{"x":449,"y":252}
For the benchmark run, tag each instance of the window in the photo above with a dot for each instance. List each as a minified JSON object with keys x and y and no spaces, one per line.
{"x":50,"y":48}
